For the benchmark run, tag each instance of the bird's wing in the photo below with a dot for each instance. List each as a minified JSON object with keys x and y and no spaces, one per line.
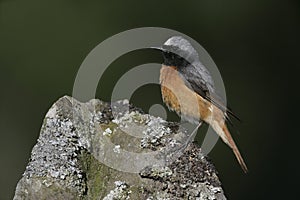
{"x":197,"y":78}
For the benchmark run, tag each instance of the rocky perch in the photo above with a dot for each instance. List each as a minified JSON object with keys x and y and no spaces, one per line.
{"x":97,"y":150}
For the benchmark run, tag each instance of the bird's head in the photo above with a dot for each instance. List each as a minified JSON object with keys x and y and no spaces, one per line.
{"x":178,"y":52}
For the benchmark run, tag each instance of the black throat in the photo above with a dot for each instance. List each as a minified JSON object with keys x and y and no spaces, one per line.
{"x":172,"y":59}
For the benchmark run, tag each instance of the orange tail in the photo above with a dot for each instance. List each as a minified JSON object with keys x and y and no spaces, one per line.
{"x":226,"y":137}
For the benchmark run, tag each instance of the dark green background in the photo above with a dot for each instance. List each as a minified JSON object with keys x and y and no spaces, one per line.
{"x":254,"y":44}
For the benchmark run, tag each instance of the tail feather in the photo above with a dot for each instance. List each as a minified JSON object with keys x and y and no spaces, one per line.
{"x":235,"y":149}
{"x":240,"y":159}
{"x":226,"y":137}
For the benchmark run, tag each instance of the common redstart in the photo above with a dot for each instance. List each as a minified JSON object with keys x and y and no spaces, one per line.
{"x":188,"y":89}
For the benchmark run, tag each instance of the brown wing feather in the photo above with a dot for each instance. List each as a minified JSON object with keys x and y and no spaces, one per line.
{"x":198,"y":79}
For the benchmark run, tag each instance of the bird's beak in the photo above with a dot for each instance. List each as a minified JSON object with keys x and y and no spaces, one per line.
{"x":158,"y":48}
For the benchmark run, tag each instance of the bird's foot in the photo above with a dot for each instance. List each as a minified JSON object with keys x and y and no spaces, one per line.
{"x":189,"y":139}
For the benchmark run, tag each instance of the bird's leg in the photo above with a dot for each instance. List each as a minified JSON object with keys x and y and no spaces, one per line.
{"x":194,"y":133}
{"x":183,"y":122}
{"x":190,"y":137}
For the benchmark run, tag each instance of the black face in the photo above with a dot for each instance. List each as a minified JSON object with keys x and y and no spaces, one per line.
{"x":172,"y":59}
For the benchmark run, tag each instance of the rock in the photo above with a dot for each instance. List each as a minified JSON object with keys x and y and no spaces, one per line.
{"x":97,"y":150}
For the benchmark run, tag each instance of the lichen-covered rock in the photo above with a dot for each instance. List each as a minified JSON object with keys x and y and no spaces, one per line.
{"x":191,"y":176}
{"x":97,"y":150}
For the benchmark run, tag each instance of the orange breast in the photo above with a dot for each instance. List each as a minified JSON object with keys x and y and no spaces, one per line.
{"x":180,"y":98}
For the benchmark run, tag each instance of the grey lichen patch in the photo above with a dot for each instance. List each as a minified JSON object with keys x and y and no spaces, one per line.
{"x":55,"y":156}
{"x":120,"y":192}
{"x":191,"y":176}
{"x":107,"y":131}
{"x":156,"y":134}
{"x":97,"y":150}
{"x":156,"y":172}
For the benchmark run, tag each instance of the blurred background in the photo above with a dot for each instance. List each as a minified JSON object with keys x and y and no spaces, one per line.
{"x":255,"y":45}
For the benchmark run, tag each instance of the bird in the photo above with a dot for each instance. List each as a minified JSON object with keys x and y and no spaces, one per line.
{"x":188,"y":89}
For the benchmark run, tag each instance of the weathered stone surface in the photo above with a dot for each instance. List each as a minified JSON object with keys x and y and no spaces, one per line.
{"x":97,"y":150}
